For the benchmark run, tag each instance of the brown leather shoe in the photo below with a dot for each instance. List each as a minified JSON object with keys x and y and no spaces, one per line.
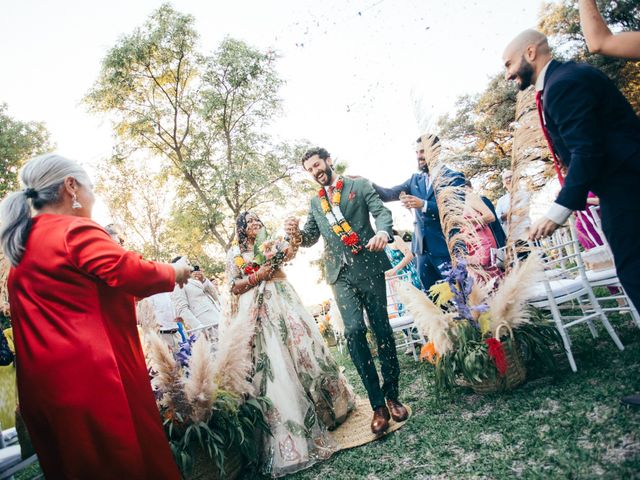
{"x":398,"y":411}
{"x":380,"y":420}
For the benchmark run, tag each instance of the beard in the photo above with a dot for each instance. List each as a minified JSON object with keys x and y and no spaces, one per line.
{"x":328,"y":174}
{"x":525,"y":74}
{"x":423,"y":167}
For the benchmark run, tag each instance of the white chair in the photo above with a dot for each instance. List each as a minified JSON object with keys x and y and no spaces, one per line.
{"x":10,"y":456}
{"x":565,"y":288}
{"x":400,"y":319}
{"x":607,"y":276}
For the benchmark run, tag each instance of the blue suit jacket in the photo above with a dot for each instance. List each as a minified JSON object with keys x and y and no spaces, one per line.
{"x":595,"y":132}
{"x":428,"y":236}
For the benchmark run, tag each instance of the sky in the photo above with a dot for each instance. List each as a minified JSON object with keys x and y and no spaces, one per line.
{"x":362,"y":78}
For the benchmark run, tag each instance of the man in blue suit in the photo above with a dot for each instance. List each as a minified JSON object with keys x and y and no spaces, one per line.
{"x":593,"y":131}
{"x":417,"y":193}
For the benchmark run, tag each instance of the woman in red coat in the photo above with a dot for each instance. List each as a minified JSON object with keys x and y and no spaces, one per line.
{"x":82,"y":380}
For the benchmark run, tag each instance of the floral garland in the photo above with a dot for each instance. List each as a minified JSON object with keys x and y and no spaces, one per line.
{"x":339,"y":224}
{"x":246,"y":267}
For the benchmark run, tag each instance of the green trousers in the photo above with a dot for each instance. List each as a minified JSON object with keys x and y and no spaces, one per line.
{"x":369,"y":293}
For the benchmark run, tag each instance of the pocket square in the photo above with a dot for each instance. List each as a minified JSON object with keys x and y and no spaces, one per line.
{"x":352,"y":195}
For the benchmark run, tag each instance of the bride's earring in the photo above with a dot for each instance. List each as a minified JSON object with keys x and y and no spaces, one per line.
{"x":76,"y":204}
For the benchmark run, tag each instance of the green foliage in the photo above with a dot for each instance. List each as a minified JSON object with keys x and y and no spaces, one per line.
{"x":561,"y":23}
{"x":231,"y":427}
{"x":201,"y":118}
{"x":480,"y":133}
{"x":18,"y":142}
{"x":469,"y":360}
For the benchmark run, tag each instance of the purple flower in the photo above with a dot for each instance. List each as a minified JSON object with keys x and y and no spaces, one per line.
{"x":184,"y":352}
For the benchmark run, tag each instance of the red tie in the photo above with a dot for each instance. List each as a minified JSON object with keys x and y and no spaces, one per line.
{"x":556,"y":162}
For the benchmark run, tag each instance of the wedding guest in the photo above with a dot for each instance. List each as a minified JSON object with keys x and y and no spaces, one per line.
{"x":418,"y":194}
{"x":82,"y":380}
{"x":495,"y":226}
{"x":115,"y":232}
{"x":162,"y":312}
{"x":599,"y":37}
{"x":293,"y":366}
{"x":591,"y":129}
{"x":198,"y":303}
{"x":479,"y":249}
{"x":402,"y":260}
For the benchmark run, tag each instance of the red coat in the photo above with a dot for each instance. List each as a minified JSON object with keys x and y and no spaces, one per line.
{"x":82,"y":380}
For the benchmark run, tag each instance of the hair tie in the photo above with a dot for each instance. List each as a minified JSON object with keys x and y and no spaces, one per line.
{"x":30,"y":193}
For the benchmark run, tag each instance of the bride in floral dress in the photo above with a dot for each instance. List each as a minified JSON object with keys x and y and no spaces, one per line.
{"x":293,"y":367}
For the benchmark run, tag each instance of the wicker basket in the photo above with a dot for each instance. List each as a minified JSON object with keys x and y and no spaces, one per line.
{"x":204,"y":468}
{"x":516,"y":370}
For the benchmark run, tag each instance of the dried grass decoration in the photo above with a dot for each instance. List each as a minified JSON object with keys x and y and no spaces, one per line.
{"x":478,"y":332}
{"x":213,"y":424}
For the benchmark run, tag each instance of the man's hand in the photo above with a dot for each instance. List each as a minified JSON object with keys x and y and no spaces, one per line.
{"x":542,"y":228}
{"x":292,"y":226}
{"x":377,"y":242}
{"x":409,"y":201}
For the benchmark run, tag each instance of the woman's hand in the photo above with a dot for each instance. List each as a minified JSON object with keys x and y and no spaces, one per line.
{"x":390,"y":273}
{"x":183,"y":272}
{"x":264,"y":273}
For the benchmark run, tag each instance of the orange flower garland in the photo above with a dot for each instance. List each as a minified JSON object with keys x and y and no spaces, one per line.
{"x":338,"y":223}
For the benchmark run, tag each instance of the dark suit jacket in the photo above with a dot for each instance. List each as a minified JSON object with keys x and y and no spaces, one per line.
{"x":358,"y":202}
{"x":428,"y":236}
{"x":595,"y":132}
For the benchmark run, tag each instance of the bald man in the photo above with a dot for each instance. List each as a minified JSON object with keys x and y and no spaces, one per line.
{"x":593,"y":131}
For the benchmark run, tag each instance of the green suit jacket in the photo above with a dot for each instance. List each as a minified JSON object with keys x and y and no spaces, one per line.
{"x":358,"y":200}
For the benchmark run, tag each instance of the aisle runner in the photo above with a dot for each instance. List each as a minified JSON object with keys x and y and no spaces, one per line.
{"x":356,"y":430}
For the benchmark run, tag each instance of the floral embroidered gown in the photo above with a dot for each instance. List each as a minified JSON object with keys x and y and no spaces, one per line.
{"x":294,"y":370}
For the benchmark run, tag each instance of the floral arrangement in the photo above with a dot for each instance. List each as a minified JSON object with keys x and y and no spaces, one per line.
{"x":266,"y":250}
{"x":470,"y":325}
{"x":339,"y":225}
{"x":326,"y":329}
{"x":205,"y":401}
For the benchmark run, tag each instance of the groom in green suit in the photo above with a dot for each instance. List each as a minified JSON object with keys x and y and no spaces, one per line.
{"x":355,"y":263}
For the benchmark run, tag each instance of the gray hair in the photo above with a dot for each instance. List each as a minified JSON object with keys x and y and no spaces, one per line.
{"x":42,"y":178}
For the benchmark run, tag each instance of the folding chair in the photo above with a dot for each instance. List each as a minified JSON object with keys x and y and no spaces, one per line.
{"x":400,"y":319}
{"x":11,"y":461}
{"x":565,"y":289}
{"x":607,"y":276}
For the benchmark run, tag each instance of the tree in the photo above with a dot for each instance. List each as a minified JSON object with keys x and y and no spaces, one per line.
{"x":562,"y":25}
{"x":202,"y":117}
{"x":18,"y":142}
{"x":137,"y":200}
{"x":479,"y":135}
{"x":480,"y":132}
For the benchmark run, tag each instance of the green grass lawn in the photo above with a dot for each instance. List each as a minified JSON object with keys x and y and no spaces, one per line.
{"x":566,"y":425}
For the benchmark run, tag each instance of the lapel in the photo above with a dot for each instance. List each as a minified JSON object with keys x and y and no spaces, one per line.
{"x":547,"y":77}
{"x":344,"y":198}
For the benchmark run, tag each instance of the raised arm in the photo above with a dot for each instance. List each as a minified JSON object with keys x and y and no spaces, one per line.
{"x":393,"y":193}
{"x":310,"y":232}
{"x":599,"y":37}
{"x":92,"y":251}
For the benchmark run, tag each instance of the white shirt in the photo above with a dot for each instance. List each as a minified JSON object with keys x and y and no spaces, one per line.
{"x":556,"y":213}
{"x":164,"y":310}
{"x":521,"y":223}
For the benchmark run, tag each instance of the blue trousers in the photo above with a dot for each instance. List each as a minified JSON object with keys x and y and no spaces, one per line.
{"x":430,"y":268}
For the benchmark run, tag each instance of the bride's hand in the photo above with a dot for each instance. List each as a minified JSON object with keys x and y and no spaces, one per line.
{"x":265,"y":272}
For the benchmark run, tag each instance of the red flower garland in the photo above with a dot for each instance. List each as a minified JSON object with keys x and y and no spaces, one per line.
{"x":496,"y":352}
